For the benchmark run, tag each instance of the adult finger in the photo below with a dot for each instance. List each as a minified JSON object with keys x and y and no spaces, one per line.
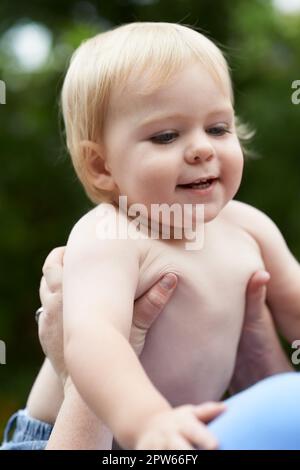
{"x":50,"y":301}
{"x":43,"y":290}
{"x":52,"y":269}
{"x":148,"y":307}
{"x":256,"y":291}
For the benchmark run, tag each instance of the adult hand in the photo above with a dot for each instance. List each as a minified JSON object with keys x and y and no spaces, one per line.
{"x":146,"y":310}
{"x":148,"y":307}
{"x":259,"y":353}
{"x":50,"y":321}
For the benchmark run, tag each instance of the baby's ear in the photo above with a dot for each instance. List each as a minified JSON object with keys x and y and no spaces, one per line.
{"x":96,"y":167}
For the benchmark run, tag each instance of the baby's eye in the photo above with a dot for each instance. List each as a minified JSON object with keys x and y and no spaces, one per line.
{"x":165,"y":138}
{"x":219,"y":130}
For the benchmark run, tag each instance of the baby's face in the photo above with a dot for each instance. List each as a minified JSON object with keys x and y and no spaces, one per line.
{"x":177,"y":145}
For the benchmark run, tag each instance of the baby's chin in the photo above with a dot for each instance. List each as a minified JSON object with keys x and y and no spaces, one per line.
{"x":172,"y":215}
{"x":211,"y":211}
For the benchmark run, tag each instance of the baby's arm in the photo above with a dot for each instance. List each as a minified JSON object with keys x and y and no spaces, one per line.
{"x":283,"y":290}
{"x":100,"y":279}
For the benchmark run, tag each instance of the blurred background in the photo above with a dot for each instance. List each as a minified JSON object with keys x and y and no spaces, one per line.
{"x":40,"y":198}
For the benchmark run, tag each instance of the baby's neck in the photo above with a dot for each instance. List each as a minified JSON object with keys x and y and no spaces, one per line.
{"x":158,"y":229}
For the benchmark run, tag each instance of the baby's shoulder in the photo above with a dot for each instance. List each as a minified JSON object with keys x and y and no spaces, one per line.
{"x":103,"y":226}
{"x":249,"y":218}
{"x":86,"y":226}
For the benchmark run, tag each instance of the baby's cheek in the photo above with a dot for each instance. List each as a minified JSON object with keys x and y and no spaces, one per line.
{"x":233,"y":171}
{"x":154,"y":183}
{"x":155,"y":173}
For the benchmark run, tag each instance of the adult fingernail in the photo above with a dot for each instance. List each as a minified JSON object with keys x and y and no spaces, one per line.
{"x":266,"y":275}
{"x":168,"y":281}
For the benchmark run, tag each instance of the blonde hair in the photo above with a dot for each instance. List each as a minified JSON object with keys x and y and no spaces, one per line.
{"x":111,"y":60}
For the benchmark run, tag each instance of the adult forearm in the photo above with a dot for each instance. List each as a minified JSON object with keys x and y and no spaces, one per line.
{"x":260,"y":354}
{"x":111,"y":380}
{"x":46,"y":395}
{"x":77,"y":427}
{"x":253,"y":373}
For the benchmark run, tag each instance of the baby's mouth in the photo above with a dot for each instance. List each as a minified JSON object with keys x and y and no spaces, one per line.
{"x":201,"y":183}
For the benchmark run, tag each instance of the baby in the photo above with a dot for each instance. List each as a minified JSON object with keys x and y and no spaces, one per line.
{"x":148,"y":110}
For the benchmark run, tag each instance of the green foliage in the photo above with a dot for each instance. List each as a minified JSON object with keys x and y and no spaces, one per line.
{"x":40,"y":198}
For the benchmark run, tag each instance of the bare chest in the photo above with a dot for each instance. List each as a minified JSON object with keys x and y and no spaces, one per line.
{"x":190,"y":350}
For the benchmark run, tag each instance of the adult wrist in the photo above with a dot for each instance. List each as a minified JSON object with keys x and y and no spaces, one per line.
{"x":267,"y":365}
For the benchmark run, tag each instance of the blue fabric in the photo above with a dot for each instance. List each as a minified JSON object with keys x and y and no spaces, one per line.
{"x":28,"y":434}
{"x":266,"y":416}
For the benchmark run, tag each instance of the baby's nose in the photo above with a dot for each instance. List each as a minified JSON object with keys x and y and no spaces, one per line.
{"x":199,"y":154}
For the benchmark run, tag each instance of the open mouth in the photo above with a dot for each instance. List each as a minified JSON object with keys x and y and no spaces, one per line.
{"x":202,"y":183}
